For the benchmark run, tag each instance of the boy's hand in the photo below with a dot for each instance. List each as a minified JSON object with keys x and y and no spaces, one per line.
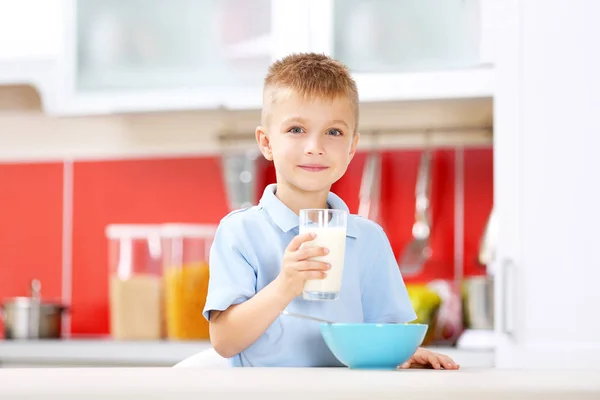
{"x":296,"y":269}
{"x":427,"y":358}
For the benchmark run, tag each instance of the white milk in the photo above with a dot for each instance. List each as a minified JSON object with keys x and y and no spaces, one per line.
{"x":333,"y":239}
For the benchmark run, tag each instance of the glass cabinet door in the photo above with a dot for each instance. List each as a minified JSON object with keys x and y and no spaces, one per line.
{"x":129,"y":45}
{"x":389,"y":36}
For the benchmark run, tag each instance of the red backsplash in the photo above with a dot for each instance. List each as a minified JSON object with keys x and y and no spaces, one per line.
{"x":478,"y":200}
{"x":191,"y":190}
{"x":30,"y":229}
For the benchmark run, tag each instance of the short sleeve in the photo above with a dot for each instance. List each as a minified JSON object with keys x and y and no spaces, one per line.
{"x":385,"y":298}
{"x":232,"y":279}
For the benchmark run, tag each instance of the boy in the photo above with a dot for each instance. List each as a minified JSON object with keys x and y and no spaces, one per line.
{"x":308,"y":129}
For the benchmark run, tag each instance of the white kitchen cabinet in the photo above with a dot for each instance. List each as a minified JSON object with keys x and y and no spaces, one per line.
{"x":409,"y":49}
{"x":145,"y":45}
{"x":140,"y":55}
{"x":211,"y":53}
{"x":546,"y":138}
{"x":145,"y":55}
{"x":127,"y":56}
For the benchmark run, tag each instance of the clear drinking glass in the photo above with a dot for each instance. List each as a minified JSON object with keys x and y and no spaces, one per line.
{"x":330,"y":229}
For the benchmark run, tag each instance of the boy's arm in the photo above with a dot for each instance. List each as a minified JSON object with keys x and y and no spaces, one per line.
{"x":235,"y":329}
{"x":239,"y":315}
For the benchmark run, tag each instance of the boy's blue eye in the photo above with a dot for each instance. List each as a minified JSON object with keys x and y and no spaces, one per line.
{"x":295,"y":130}
{"x":334,"y":132}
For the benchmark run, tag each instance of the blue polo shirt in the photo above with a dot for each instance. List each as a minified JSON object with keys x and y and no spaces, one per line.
{"x":246,"y":256}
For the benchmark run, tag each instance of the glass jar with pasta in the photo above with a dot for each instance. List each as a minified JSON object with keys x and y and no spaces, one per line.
{"x":186,"y":249}
{"x":135,"y":282}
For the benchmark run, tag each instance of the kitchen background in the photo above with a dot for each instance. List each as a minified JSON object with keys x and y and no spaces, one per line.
{"x":107,"y":118}
{"x":192,"y":190}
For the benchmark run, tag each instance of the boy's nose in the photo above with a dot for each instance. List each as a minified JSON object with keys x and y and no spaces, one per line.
{"x":314,"y":147}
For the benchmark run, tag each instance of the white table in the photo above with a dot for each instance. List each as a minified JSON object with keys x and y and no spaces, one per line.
{"x":294,"y":384}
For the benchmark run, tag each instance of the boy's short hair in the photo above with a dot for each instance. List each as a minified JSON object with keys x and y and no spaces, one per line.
{"x":310,"y":75}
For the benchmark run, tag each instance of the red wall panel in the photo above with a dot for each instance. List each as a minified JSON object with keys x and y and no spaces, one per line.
{"x":398,"y":197}
{"x":30,"y":229}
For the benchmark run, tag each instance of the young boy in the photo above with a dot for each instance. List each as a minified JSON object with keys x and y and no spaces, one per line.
{"x":308,"y":129}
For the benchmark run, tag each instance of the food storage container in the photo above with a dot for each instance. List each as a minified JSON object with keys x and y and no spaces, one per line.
{"x":186,"y":249}
{"x":135,"y":282}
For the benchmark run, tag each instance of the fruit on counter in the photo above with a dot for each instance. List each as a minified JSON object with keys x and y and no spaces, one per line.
{"x":186,"y":288}
{"x":135,"y":307}
{"x":449,"y":322}
{"x":423,"y":300}
{"x":426,"y":304}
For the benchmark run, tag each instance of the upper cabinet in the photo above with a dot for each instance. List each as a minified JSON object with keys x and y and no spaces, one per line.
{"x":391,"y":36}
{"x":181,"y":44}
{"x":152,"y":55}
{"x":141,"y":55}
{"x":116,"y":56}
{"x":408,"y":49}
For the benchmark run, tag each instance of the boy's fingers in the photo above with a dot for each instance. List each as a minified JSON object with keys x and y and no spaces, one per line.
{"x":434,"y":361}
{"x":311,"y":266}
{"x":447,"y":363}
{"x":299,"y":239}
{"x":310,"y":252}
{"x":314,"y":274}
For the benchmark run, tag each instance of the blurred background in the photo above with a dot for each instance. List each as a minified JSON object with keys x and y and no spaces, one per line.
{"x":127,"y":133}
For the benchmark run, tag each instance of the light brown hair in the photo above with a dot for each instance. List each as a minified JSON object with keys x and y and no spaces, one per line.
{"x":310,"y":75}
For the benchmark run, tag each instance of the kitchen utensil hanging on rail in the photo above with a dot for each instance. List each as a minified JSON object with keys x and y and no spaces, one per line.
{"x":487,"y":246}
{"x":418,"y":251}
{"x":478,"y":301}
{"x":370,"y":186}
{"x":238,"y":164}
{"x":239,"y":171}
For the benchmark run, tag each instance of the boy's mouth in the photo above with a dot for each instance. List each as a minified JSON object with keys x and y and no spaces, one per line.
{"x":313,"y":167}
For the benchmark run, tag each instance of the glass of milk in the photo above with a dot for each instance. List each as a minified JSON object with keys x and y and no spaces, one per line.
{"x":329,"y":227}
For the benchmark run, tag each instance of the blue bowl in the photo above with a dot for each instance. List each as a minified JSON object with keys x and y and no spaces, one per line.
{"x":373,"y":346}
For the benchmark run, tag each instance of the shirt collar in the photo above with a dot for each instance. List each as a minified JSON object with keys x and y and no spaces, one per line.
{"x":287,"y":220}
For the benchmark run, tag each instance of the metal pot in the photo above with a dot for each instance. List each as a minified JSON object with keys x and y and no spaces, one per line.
{"x":478,"y":302}
{"x":30,"y":318}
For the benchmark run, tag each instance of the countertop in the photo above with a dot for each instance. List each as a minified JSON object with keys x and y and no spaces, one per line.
{"x":107,"y":352}
{"x":301,"y":384}
{"x":97,"y":352}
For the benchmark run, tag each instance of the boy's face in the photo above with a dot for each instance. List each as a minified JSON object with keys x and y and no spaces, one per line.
{"x":311,"y":141}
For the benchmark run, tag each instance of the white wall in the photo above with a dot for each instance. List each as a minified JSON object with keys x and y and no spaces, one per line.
{"x":20,"y":33}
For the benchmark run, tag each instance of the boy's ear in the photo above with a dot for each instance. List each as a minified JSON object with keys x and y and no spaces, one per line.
{"x":354,"y":145}
{"x":263,"y":143}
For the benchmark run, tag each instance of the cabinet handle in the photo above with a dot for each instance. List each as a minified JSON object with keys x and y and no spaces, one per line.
{"x":507,"y":269}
